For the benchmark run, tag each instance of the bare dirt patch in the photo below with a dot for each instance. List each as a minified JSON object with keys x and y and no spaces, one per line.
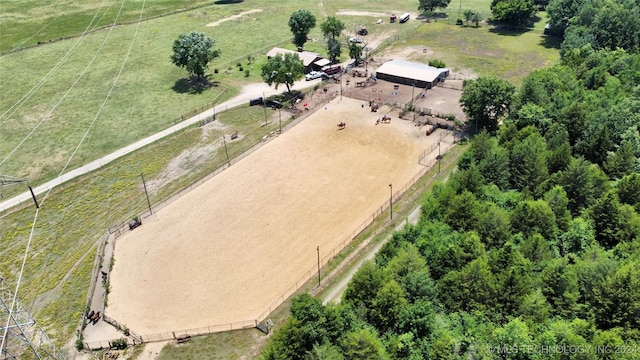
{"x":188,"y":159}
{"x":229,"y":249}
{"x":233,"y":17}
{"x":346,"y":12}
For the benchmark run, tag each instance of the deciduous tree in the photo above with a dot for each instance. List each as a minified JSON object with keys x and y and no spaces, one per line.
{"x":281,"y":69}
{"x":531,"y":217}
{"x":331,"y":27}
{"x":430,"y":5}
{"x":334,"y":49}
{"x":363,"y":344}
{"x":529,"y":163}
{"x":193,"y":51}
{"x":485,"y":100}
{"x":301,"y":22}
{"x":355,"y":52}
{"x":513,"y":12}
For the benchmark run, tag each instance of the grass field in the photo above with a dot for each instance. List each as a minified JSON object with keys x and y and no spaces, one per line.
{"x":29,"y":23}
{"x":148,"y":97}
{"x":64,"y":88}
{"x":484,"y":50}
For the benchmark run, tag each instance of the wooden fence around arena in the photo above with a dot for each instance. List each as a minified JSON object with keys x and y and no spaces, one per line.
{"x":120,"y":228}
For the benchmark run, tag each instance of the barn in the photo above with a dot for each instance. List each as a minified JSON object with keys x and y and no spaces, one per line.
{"x":311,"y":61}
{"x":413,"y":74}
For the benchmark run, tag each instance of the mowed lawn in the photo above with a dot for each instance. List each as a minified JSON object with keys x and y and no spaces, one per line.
{"x":28,"y":23}
{"x":148,"y":96}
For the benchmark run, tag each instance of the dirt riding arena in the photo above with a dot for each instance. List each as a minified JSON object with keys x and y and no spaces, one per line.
{"x":230,"y":248}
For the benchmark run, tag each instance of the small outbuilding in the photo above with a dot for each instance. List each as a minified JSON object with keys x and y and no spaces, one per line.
{"x":412,"y":74}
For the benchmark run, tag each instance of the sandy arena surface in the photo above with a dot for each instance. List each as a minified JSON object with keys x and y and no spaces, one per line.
{"x":231,"y":247}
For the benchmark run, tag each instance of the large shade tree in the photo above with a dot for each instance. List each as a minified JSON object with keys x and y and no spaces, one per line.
{"x":331,"y":27}
{"x":485,"y":100}
{"x":513,"y":12}
{"x":193,"y":51}
{"x":430,"y":5}
{"x":300,"y":23}
{"x":281,"y":69}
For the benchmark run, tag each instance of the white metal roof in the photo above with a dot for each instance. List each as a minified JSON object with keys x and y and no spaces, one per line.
{"x":410,"y":70}
{"x":322,"y":62}
{"x":307,"y":57}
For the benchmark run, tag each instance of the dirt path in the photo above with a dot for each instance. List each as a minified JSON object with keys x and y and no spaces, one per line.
{"x":233,"y":17}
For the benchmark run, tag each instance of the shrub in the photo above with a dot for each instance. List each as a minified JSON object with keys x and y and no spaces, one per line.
{"x":459,"y":22}
{"x":79,"y":342}
{"x":437,"y":63}
{"x":238,"y":65}
{"x":119,"y":344}
{"x":241,"y":68}
{"x":215,"y":71}
{"x":247,"y":73}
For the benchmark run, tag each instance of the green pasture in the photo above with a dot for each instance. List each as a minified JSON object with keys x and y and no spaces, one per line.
{"x":149,"y":96}
{"x":28,"y":23}
{"x":485,"y":50}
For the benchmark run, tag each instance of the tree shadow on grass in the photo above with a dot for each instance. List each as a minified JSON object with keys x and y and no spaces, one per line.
{"x":551,"y":42}
{"x":227,"y":2}
{"x":512,"y":30}
{"x":194,"y":85}
{"x":507,"y":30}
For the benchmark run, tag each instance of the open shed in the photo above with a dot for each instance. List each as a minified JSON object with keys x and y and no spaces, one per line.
{"x":413,"y":74}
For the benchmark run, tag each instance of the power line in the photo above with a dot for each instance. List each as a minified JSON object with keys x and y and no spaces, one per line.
{"x":86,"y":68}
{"x":13,"y":108}
{"x":29,"y":241}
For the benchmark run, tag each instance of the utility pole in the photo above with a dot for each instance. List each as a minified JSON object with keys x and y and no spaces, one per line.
{"x":225,"y":150}
{"x":439,"y":156}
{"x":144,"y":184}
{"x":413,"y":106}
{"x":318,"y":265}
{"x":391,"y":200}
{"x":264,"y":106}
{"x":6,"y":180}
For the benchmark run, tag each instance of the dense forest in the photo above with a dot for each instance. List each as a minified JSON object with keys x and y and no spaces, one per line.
{"x":531,"y":250}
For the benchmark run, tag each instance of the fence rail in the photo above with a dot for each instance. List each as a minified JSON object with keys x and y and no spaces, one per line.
{"x":119,"y":229}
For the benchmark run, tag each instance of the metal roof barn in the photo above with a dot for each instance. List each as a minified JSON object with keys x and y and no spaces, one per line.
{"x":309,"y":59}
{"x":412,"y":74}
